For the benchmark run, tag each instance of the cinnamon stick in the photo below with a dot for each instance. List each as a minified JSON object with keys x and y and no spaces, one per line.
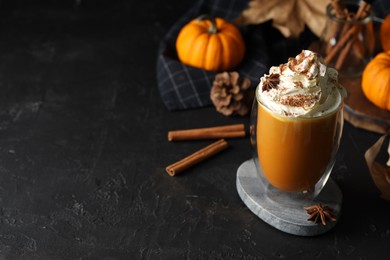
{"x":228,"y":131}
{"x":196,"y":157}
{"x":335,"y":28}
{"x":343,"y":55}
{"x":361,"y":13}
{"x":332,"y":53}
{"x":352,"y":30}
{"x":363,"y":8}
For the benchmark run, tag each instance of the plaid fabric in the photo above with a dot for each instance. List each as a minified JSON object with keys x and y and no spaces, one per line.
{"x":186,"y":87}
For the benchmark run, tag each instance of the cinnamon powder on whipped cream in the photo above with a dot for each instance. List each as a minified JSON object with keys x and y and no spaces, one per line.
{"x":305,"y":87}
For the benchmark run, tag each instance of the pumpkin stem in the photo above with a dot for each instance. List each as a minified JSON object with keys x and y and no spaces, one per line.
{"x":213,"y":29}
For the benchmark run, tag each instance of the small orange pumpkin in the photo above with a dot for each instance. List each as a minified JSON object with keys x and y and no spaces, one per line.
{"x":210,"y":43}
{"x":376,"y":80}
{"x":385,"y":33}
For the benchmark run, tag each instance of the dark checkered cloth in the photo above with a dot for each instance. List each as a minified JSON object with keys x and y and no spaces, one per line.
{"x":186,"y":87}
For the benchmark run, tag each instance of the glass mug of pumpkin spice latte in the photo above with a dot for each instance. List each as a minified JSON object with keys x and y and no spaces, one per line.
{"x":296,"y":125}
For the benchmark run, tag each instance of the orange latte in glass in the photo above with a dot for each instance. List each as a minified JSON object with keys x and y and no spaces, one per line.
{"x":299,"y":123}
{"x":294,"y":152}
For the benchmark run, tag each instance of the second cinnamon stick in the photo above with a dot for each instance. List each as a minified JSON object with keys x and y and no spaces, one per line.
{"x":197,"y":157}
{"x":228,"y":131}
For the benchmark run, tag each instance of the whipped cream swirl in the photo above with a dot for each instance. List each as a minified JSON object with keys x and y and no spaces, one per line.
{"x":302,"y":87}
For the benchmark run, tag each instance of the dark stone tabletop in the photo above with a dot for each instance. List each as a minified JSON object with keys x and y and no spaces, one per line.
{"x":83,"y":151}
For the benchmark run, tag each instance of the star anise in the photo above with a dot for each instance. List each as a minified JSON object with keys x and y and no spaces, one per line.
{"x":318,"y":213}
{"x":270,"y":82}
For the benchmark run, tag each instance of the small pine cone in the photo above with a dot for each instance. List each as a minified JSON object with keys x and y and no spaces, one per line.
{"x":231,"y":94}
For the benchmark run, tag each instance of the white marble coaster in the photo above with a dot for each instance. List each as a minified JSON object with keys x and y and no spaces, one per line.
{"x":287,"y":215}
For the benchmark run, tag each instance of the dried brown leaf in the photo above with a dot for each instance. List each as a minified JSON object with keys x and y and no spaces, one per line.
{"x":388,"y":151}
{"x":288,"y":16}
{"x":379,"y":173}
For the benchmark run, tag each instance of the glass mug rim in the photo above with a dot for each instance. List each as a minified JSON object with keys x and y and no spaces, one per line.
{"x":332,"y":16}
{"x":335,"y":110}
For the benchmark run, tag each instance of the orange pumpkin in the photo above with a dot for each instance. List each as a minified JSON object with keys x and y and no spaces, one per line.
{"x":385,"y":33}
{"x":210,"y":44}
{"x":376,"y":80}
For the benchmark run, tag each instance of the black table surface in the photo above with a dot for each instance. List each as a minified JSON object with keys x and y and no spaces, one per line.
{"x":83,"y":151}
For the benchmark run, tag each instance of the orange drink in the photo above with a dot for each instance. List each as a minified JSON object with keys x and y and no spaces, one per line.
{"x":294,"y":152}
{"x":298,"y":124}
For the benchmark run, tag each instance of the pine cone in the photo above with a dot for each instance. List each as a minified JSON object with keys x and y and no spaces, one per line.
{"x":231,"y":94}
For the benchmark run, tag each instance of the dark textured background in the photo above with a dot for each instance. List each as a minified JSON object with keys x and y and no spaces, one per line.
{"x":83,"y":150}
